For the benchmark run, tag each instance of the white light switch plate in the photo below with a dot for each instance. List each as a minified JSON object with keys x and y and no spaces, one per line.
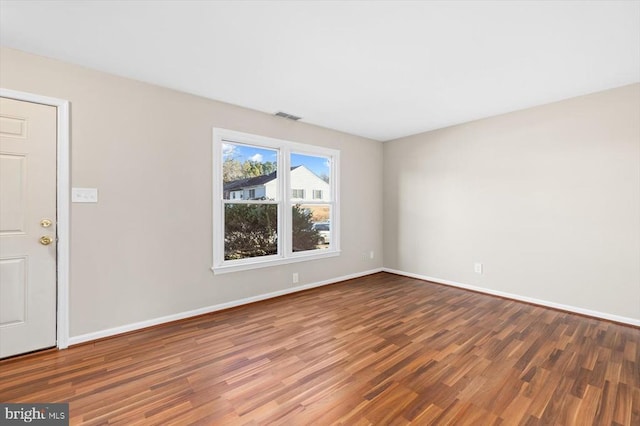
{"x":84,"y":195}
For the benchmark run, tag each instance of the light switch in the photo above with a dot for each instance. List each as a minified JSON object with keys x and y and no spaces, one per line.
{"x":84,"y":195}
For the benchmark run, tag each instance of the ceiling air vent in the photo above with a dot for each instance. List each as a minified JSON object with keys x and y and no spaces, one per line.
{"x":289,"y":116}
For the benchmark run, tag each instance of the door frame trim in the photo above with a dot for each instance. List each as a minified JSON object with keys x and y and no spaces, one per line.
{"x":62,"y":205}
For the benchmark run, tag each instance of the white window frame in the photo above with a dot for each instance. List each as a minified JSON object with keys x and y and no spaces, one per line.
{"x":315,"y":192}
{"x":284,"y":201}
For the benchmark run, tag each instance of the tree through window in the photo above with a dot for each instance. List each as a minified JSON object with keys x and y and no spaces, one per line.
{"x":252,"y":222}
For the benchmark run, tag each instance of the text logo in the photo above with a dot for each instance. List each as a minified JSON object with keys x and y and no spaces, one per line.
{"x":36,"y":414}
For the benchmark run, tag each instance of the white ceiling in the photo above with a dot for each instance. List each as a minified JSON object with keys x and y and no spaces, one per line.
{"x":372,"y":68}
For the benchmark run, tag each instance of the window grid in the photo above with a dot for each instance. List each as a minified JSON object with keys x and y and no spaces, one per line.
{"x":285,"y":250}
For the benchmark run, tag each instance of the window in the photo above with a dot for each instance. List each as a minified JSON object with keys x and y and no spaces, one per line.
{"x":262,"y":214}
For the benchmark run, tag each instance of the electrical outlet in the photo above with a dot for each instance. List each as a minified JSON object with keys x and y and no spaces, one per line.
{"x":371,"y":254}
{"x":295,"y":278}
{"x":477,"y":267}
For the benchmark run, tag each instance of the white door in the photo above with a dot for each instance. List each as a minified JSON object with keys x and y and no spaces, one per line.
{"x":27,"y":227}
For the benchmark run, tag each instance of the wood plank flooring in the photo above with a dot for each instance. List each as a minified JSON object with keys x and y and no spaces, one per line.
{"x":383,"y":349}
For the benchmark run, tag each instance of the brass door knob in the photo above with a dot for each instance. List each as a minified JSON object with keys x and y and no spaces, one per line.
{"x":45,"y":223}
{"x":45,"y":240}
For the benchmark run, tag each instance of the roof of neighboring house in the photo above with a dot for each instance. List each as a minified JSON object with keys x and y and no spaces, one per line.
{"x":252,"y":181}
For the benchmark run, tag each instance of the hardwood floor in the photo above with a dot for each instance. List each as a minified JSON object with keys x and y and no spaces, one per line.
{"x":382,"y":350}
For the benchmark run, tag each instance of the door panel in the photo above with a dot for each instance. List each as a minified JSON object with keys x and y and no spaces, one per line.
{"x":13,"y":279}
{"x":27,"y":196}
{"x":13,"y":181}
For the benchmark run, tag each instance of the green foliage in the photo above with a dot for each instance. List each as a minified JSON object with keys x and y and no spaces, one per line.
{"x":233,"y":169}
{"x":305,"y":237}
{"x":251,"y":230}
{"x":256,"y":168}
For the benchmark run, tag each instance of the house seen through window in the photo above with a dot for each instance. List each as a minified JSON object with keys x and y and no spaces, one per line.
{"x":275,"y":200}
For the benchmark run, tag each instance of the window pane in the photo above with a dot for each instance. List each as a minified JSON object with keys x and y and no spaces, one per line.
{"x":250,"y":230}
{"x":248,"y":172}
{"x":310,"y":177}
{"x":311,"y":227}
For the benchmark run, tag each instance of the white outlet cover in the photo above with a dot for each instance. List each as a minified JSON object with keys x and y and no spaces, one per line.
{"x":84,"y":195}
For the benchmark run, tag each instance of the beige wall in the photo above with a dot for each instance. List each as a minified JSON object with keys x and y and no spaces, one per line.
{"x":548,"y":199}
{"x":144,"y":250}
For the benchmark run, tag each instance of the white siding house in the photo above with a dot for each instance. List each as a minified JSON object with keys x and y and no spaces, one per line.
{"x":305,"y":185}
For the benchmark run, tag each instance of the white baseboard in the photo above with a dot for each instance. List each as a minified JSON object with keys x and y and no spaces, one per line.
{"x":545,"y":303}
{"x":208,"y":309}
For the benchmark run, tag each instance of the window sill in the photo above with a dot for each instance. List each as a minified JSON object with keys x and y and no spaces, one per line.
{"x":225,"y":269}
